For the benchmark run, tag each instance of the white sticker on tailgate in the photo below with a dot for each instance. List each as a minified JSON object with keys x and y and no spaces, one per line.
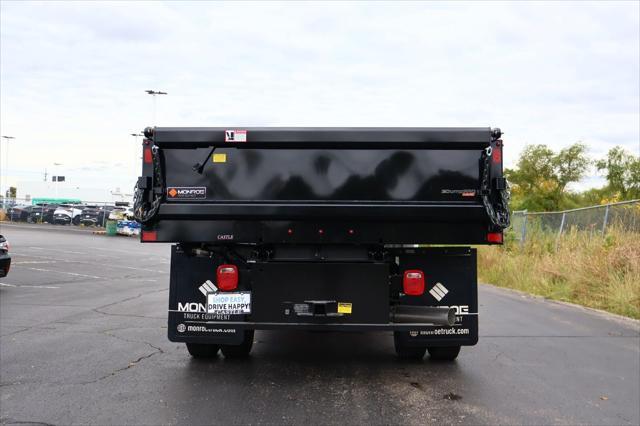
{"x":229,"y":303}
{"x":235,"y":135}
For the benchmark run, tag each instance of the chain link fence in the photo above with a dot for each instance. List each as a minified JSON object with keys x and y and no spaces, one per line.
{"x":624,"y":216}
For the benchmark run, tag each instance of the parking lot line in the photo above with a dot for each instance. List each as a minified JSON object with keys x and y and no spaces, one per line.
{"x":29,"y":286}
{"x":75,"y":274}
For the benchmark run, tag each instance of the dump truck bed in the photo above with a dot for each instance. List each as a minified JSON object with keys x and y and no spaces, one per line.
{"x":310,"y":185}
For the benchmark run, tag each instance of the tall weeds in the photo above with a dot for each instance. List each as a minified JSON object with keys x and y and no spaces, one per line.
{"x":581,"y":267}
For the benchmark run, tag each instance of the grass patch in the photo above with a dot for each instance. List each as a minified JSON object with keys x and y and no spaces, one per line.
{"x":586,"y":268}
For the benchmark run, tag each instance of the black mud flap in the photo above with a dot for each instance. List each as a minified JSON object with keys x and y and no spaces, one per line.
{"x":192,"y":278}
{"x":451,"y":280}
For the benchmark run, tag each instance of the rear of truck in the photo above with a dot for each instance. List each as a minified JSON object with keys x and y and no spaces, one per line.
{"x":346,"y":229}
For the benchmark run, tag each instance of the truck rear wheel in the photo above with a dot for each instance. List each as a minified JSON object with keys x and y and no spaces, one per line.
{"x":444,"y":353}
{"x":239,"y":351}
{"x":199,"y":350}
{"x":407,"y":352}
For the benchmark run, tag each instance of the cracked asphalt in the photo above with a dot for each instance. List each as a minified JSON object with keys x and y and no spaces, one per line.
{"x":83,"y":341}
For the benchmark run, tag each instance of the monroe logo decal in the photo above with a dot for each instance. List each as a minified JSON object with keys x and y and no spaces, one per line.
{"x":186,"y":192}
{"x":439,"y":291}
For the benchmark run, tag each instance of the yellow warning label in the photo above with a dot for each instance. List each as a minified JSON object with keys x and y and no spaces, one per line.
{"x":219,"y":158}
{"x":344,"y":308}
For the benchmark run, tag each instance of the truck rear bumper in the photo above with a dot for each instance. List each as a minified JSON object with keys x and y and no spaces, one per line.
{"x":413,"y":334}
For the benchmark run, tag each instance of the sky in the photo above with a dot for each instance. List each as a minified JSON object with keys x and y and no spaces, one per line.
{"x":73,"y":75}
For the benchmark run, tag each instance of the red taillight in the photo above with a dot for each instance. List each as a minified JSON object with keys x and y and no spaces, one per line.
{"x":497,"y":155}
{"x":148,"y":158}
{"x":149,"y":235}
{"x":227,"y":277}
{"x":413,"y":282}
{"x":494,"y":237}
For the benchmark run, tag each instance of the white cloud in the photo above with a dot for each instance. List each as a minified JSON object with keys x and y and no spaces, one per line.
{"x":73,"y":75}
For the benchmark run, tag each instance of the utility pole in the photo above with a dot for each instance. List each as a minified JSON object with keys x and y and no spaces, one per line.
{"x":7,"y":138}
{"x":154,"y":93}
{"x":56,"y":176}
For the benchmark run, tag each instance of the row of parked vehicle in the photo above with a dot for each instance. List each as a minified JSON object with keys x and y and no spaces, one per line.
{"x":69,"y":214}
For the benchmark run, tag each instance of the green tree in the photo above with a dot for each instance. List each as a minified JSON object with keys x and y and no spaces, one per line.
{"x":540,"y":179}
{"x":622,"y":173}
{"x":570,"y":165}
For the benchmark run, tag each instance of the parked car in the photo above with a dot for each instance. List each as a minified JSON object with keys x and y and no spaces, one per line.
{"x":42,"y":213}
{"x":95,"y":215}
{"x":67,"y":214}
{"x":5,"y":259}
{"x":19,"y":213}
{"x":90,"y":216}
{"x":36,"y":214}
{"x":121,"y":213}
{"x":47,"y":212}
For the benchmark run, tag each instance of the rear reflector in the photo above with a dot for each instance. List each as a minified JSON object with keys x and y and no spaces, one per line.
{"x":227,"y":277}
{"x":148,"y":158}
{"x":413,"y":282}
{"x":494,"y":237}
{"x":149,"y":235}
{"x":497,"y":155}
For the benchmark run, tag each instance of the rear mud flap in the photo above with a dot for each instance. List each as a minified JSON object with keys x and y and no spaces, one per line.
{"x":191,"y":279}
{"x":451,"y":280}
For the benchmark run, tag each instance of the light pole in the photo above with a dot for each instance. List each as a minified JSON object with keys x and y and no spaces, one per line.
{"x":154,"y":93}
{"x":55,"y":165}
{"x":7,"y":138}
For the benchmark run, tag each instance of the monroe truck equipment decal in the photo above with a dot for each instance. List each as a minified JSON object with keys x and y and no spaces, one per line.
{"x":186,"y":192}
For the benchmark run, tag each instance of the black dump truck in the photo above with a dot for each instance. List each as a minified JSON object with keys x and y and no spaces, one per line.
{"x":343,"y":229}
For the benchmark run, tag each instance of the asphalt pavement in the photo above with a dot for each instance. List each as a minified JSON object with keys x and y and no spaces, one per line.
{"x":83,"y":341}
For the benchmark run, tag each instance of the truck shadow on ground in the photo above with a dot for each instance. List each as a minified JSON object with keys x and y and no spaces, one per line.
{"x":327,"y":351}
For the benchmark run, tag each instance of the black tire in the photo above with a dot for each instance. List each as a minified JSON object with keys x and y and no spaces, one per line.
{"x":199,"y":350}
{"x":239,"y":351}
{"x":76,"y":220}
{"x":444,"y":353}
{"x":408,"y":352}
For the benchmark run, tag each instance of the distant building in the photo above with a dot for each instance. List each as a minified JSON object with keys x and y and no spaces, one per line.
{"x":38,"y":189}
